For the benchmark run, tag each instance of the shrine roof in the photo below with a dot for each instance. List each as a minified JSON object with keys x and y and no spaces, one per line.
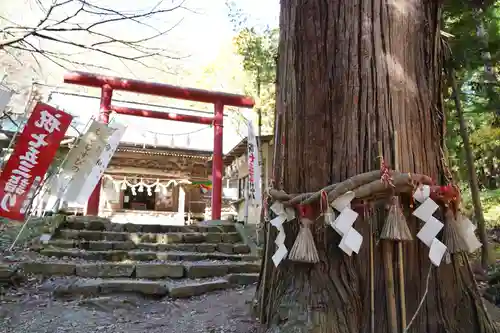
{"x":163,"y":150}
{"x":240,"y":149}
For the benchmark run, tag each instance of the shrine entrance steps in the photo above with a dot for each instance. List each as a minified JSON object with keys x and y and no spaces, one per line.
{"x":153,"y":260}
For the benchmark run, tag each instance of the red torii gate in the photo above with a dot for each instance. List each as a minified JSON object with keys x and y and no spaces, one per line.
{"x":219,"y":99}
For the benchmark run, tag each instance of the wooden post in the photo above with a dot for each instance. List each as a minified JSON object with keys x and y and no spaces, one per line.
{"x":372,"y":277}
{"x":402,"y":295}
{"x":387,"y":248}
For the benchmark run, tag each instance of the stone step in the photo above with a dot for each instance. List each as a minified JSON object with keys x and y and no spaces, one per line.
{"x":118,"y":255}
{"x":243,"y":278}
{"x":97,"y":224}
{"x":161,"y":238}
{"x":99,"y":287}
{"x":193,"y":270}
{"x":226,"y":248}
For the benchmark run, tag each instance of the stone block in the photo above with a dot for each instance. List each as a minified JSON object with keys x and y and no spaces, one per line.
{"x":127,"y":245}
{"x":69,"y":234}
{"x":243,"y":278}
{"x":241,"y":248}
{"x":213,"y":237}
{"x":111,"y":255}
{"x":100,"y":246}
{"x":75,"y":224}
{"x":61,"y":253}
{"x":6,"y":271}
{"x":115,"y":236}
{"x":228,"y":228}
{"x":206,"y":248}
{"x":222,"y":256}
{"x":152,"y":228}
{"x":225,"y":248}
{"x":231,"y":237}
{"x":85,"y":289}
{"x":96,"y":225}
{"x":173,"y":238}
{"x":148,"y":246}
{"x":205,"y":270}
{"x":184,"y":247}
{"x":158,"y":271}
{"x":90,"y":235}
{"x":244,"y":268}
{"x":179,"y":256}
{"x":172,"y":228}
{"x":116,"y":227}
{"x":147,"y":288}
{"x":194,"y":238}
{"x":130,"y":227}
{"x":61,"y":243}
{"x":195,"y":289}
{"x":48,"y":268}
{"x":142,"y":256}
{"x":249,"y":257}
{"x":105,"y":270}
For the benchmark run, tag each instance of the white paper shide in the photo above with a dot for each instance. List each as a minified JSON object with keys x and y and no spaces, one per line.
{"x":431,"y":227}
{"x":468,"y":232}
{"x":282,"y":215}
{"x":351,"y":239}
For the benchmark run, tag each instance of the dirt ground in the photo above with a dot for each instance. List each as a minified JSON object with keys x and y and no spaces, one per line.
{"x":32,"y":310}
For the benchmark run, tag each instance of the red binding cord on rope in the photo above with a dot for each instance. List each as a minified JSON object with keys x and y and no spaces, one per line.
{"x":306,"y":211}
{"x":324,"y":202}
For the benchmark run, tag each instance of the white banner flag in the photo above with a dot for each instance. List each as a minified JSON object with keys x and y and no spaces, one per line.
{"x":5,"y":96}
{"x":102,"y":163}
{"x":254,"y":180}
{"x":81,"y":160}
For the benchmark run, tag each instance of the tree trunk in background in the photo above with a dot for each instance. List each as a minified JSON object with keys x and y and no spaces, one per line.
{"x":486,"y":256}
{"x":351,"y":73}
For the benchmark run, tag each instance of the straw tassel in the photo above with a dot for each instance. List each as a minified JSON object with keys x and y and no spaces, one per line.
{"x":452,"y":235}
{"x":304,"y":249}
{"x":395,"y":227}
{"x":326,"y":209}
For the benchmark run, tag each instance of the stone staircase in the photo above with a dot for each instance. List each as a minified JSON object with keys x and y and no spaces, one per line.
{"x":98,"y":257}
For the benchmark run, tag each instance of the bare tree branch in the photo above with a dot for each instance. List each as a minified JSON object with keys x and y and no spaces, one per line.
{"x":62,"y":20}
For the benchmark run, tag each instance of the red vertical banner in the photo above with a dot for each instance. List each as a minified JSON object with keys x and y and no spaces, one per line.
{"x":33,"y":153}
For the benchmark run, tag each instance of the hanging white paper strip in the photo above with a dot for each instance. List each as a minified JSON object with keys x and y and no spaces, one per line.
{"x":283,"y":215}
{"x":351,"y":239}
{"x":430,"y":230}
{"x":422,"y":193}
{"x":437,"y":252}
{"x":467,"y":229}
{"x":431,"y":227}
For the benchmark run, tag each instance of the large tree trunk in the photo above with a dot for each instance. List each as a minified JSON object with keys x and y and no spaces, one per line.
{"x":351,"y":73}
